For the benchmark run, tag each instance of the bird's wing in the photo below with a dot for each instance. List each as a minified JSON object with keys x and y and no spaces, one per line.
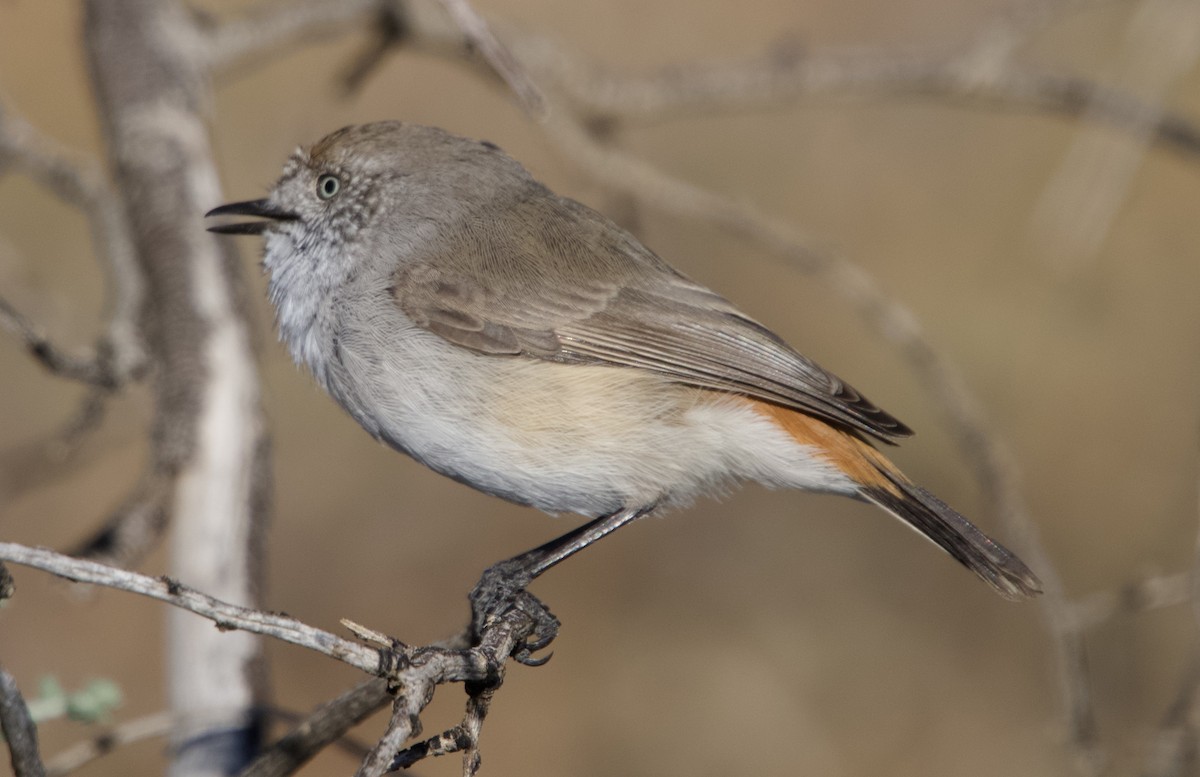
{"x":551,"y":279}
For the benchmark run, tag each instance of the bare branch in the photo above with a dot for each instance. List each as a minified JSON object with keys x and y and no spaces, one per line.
{"x":274,"y":26}
{"x":33,"y":464}
{"x":412,"y":673}
{"x":1173,"y":750}
{"x":209,"y":438}
{"x":227,"y":616}
{"x":479,"y":36}
{"x":135,"y":527}
{"x":127,"y":733}
{"x":980,"y":73}
{"x":452,"y":740}
{"x":1149,"y":593}
{"x":1076,"y":211}
{"x":119,"y":354}
{"x":85,"y":369}
{"x":402,"y":726}
{"x":326,"y":724}
{"x":18,"y":729}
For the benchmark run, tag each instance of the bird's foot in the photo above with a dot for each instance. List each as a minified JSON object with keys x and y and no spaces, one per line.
{"x":501,"y":591}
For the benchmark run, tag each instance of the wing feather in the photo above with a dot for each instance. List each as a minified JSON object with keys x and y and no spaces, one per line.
{"x":551,"y":279}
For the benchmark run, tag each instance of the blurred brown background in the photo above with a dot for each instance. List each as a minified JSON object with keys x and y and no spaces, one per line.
{"x":772,"y":633}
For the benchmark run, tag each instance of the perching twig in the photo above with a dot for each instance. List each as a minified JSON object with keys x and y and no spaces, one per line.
{"x":226,"y":616}
{"x":412,"y":673}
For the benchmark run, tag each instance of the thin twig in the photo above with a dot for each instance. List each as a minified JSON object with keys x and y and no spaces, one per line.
{"x":450,"y":741}
{"x":119,"y":353}
{"x":135,"y":527}
{"x":975,"y":74}
{"x":479,"y":36}
{"x":226,"y":616}
{"x":1149,"y":593}
{"x":151,"y":726}
{"x":274,"y":26}
{"x":326,"y":724}
{"x":85,"y":369}
{"x":1077,"y":209}
{"x":19,"y":730}
{"x":412,"y":673}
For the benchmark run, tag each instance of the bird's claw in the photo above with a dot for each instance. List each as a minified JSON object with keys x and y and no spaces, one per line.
{"x":501,"y":590}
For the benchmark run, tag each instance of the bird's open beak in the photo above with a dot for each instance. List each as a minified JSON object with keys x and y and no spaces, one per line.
{"x":261,"y":208}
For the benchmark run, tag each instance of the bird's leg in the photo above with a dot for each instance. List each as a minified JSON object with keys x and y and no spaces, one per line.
{"x":502,"y":586}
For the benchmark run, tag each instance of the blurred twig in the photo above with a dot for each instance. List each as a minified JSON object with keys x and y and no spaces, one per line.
{"x":312,"y":733}
{"x":479,"y":36}
{"x":979,"y":73}
{"x":274,"y":25}
{"x":209,"y":448}
{"x":80,"y":754}
{"x":1080,"y":203}
{"x":85,"y":369}
{"x":135,"y":527}
{"x":118,"y":354}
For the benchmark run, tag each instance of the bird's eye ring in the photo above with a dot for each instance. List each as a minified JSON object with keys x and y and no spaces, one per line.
{"x":328,"y":186}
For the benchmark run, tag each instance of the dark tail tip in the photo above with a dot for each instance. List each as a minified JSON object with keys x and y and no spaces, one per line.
{"x":995,"y":564}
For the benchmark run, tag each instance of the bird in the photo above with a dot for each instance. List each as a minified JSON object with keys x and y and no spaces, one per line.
{"x":524,"y":344}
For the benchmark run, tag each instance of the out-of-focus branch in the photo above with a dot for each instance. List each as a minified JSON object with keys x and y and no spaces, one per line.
{"x":479,"y":37}
{"x":980,"y":73}
{"x":324,"y":725}
{"x":1149,"y":593}
{"x":119,"y":353}
{"x":775,"y":80}
{"x":273,"y":26}
{"x":135,"y":527}
{"x":209,"y":441}
{"x":127,"y":733}
{"x":19,"y":730}
{"x":85,"y":369}
{"x":1075,"y":213}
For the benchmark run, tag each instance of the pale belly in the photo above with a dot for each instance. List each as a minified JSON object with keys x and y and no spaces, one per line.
{"x":567,"y":438}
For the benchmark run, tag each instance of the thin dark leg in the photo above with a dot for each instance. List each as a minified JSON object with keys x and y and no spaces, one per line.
{"x":541,"y":558}
{"x":502,"y":586}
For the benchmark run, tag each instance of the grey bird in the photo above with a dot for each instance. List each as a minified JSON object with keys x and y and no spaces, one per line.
{"x":524,"y":344}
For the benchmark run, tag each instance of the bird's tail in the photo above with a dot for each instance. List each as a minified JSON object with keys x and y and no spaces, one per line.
{"x":879,"y":481}
{"x":995,"y":564}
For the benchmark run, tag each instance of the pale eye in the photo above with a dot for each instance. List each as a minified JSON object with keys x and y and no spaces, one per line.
{"x":328,"y":186}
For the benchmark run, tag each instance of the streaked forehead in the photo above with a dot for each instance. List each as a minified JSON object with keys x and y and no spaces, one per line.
{"x":380,"y":140}
{"x":386,"y":148}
